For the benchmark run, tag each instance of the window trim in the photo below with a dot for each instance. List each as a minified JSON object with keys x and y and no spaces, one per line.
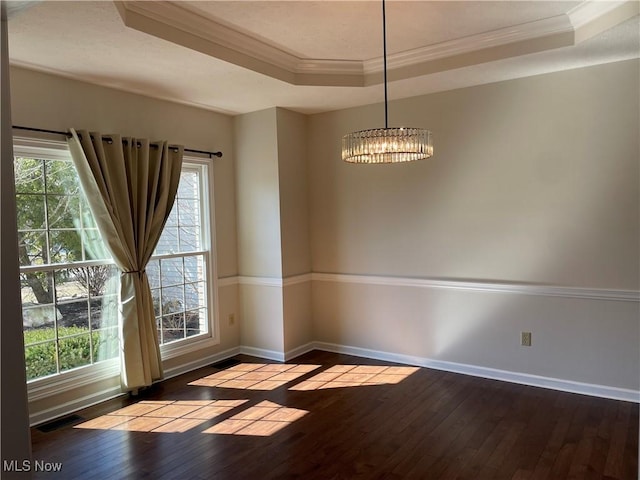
{"x":86,"y":375}
{"x":211,"y":338}
{"x":43,"y":387}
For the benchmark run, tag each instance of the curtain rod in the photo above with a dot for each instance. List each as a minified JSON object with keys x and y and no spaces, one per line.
{"x":67,"y":134}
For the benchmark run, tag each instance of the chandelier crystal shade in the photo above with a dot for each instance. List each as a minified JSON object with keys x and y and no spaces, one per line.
{"x":387,"y":145}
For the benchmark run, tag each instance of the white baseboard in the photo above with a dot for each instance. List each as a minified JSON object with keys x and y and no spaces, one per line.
{"x":278,"y":356}
{"x":301,"y":350}
{"x":485,"y":372}
{"x":263,"y":353}
{"x":201,"y":362}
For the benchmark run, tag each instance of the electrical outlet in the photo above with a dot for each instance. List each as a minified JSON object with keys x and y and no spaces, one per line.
{"x":525,"y":339}
{"x":232,"y":319}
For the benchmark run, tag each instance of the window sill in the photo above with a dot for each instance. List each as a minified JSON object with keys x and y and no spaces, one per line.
{"x":41,"y":388}
{"x":187,"y":346}
{"x":72,"y":379}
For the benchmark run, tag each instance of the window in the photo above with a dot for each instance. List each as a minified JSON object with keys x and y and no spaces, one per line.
{"x":69,"y":283}
{"x":177,"y":270}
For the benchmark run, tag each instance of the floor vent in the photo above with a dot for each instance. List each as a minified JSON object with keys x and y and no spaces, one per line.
{"x":59,"y":423}
{"x":229,"y":362}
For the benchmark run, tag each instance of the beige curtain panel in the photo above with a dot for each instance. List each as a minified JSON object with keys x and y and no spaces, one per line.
{"x":131,"y":186}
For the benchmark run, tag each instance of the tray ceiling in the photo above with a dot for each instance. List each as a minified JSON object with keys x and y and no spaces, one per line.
{"x":312,"y":56}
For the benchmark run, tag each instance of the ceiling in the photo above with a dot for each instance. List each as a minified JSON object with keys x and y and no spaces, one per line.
{"x":313,"y":56}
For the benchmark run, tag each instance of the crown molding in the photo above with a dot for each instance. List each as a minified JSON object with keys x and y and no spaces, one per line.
{"x":171,"y":21}
{"x":591,"y":18}
{"x":557,"y":26}
{"x":588,"y":12}
{"x":334,"y":73}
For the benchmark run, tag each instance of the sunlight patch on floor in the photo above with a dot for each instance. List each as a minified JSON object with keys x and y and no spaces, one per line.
{"x":162,"y":416}
{"x":263,"y":419}
{"x":341,"y":376}
{"x":255,"y":376}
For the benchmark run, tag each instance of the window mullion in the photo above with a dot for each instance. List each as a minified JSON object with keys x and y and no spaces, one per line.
{"x":166,"y":256}
{"x":61,"y":266}
{"x":184,"y":299}
{"x":45,"y":175}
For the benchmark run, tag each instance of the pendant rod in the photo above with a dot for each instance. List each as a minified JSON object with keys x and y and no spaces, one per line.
{"x":384,"y":44}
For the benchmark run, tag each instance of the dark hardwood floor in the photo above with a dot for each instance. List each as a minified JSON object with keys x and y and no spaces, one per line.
{"x":344,"y":420}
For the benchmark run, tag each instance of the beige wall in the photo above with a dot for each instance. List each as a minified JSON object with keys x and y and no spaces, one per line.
{"x":261,"y":312}
{"x":294,"y":227}
{"x":298,"y":326}
{"x":273,"y":226}
{"x":574,"y":339}
{"x":259,"y":241}
{"x":258,"y":196}
{"x":534,"y":181}
{"x":294,"y":191}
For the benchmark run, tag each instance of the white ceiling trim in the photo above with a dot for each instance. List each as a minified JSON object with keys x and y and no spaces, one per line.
{"x":170,"y":21}
{"x":310,"y":66}
{"x":591,"y":18}
{"x":548,"y":27}
{"x":588,"y":12}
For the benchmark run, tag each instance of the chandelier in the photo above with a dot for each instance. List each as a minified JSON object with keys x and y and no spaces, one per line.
{"x":387,"y":145}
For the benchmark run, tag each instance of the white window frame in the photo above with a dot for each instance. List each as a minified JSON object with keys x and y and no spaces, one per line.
{"x":86,"y":375}
{"x":211,"y":338}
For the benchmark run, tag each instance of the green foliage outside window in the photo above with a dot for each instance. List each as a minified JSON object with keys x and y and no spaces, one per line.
{"x":74,"y":349}
{"x":63,"y":307}
{"x":54,"y":222}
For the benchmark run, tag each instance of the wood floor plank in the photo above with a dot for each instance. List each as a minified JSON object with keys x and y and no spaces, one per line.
{"x":556,"y":441}
{"x":630,"y":467}
{"x":615,"y":458}
{"x":430,"y":425}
